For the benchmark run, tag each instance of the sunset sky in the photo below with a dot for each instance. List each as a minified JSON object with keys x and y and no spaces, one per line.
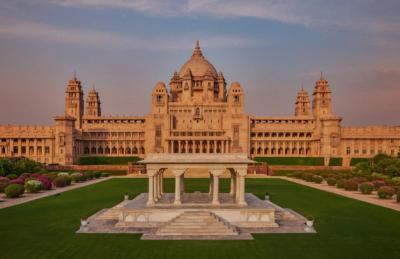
{"x":271,"y":47}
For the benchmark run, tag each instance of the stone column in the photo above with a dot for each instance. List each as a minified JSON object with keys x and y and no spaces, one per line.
{"x":150,"y":200}
{"x":182,"y":183}
{"x":216,"y":174}
{"x":232,"y":189}
{"x":210,"y":184}
{"x":162,"y":182}
{"x":241,"y":194}
{"x":178,"y":173}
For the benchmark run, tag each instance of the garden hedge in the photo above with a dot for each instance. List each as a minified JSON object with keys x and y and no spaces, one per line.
{"x":316,"y":161}
{"x":106,"y":160}
{"x":336,"y":161}
{"x":355,"y":160}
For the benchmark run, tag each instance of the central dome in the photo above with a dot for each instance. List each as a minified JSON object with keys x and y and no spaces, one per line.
{"x":198,"y":65}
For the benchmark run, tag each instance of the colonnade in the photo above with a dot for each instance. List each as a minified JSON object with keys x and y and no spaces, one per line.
{"x":199,"y":146}
{"x":237,"y":185}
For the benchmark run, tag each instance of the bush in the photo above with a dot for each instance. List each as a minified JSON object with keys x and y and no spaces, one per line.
{"x":89,"y":175}
{"x":307,"y":177}
{"x":317,"y":179}
{"x":340,"y":183}
{"x":63,"y":174}
{"x":62,"y":181}
{"x":97,"y":174}
{"x":378,"y":184}
{"x":77,"y":177}
{"x":105,"y":174}
{"x":12,"y":176}
{"x":366,"y":188}
{"x":14,"y":190}
{"x":331,"y":181}
{"x":17,"y":181}
{"x":350,"y":185}
{"x":33,"y":186}
{"x":4,"y":182}
{"x":46,"y":182}
{"x":385,"y":192}
{"x":398,"y":196}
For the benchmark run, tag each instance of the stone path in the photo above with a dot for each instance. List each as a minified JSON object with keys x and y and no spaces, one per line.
{"x":369,"y":198}
{"x":27,"y":197}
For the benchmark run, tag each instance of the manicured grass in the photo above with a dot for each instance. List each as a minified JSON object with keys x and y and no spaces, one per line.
{"x":291,"y":160}
{"x":346,"y":228}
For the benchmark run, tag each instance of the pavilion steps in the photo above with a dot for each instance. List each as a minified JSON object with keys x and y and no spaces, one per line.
{"x":197,"y":223}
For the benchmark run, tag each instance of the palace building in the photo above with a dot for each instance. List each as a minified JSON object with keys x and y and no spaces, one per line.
{"x":197,"y":113}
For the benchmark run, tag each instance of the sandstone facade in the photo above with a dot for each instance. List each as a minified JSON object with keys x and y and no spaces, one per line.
{"x":198,"y":113}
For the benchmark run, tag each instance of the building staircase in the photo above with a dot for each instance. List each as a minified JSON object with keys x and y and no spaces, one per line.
{"x":197,"y":223}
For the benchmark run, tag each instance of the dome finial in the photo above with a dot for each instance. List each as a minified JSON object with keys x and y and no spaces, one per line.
{"x":322,"y":76}
{"x":197,"y":51}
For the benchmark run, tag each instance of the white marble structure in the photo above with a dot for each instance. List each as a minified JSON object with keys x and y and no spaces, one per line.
{"x":235,"y":164}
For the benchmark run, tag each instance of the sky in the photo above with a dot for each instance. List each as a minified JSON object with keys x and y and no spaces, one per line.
{"x":272,"y":48}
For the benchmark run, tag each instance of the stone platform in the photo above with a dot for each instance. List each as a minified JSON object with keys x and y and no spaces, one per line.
{"x":196,"y":218}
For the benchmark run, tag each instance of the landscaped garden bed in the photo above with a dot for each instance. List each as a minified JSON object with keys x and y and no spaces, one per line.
{"x":14,"y":182}
{"x":379,"y":175}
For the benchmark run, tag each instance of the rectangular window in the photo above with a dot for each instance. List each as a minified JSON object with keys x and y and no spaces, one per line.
{"x":236,"y":136}
{"x":158,"y":136}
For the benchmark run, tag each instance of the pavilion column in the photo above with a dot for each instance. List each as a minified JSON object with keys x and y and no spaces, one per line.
{"x":178,"y":173}
{"x":155,"y":184}
{"x":216,"y":173}
{"x":162,"y":182}
{"x":241,"y":194}
{"x":182,"y":183}
{"x":179,"y":146}
{"x":150,"y":195}
{"x":233,"y":184}
{"x":210,"y":184}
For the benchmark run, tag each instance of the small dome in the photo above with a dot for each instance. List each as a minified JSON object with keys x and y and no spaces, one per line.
{"x":198,"y":65}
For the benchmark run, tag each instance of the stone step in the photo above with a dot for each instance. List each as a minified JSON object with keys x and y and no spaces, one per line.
{"x":196,"y":223}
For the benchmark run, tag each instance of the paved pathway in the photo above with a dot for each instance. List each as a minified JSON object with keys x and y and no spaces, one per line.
{"x":369,"y":198}
{"x":26,"y":197}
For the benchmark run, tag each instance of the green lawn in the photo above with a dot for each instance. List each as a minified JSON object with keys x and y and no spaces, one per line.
{"x":346,"y":228}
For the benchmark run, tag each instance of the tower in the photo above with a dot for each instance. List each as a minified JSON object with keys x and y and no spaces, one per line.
{"x":74,"y":104}
{"x":93,"y":107}
{"x":303,"y":105}
{"x":322,"y":103}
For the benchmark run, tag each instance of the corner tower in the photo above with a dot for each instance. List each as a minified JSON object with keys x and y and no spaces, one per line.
{"x":303,"y":104}
{"x":322,"y":103}
{"x":93,"y":107}
{"x":74,"y":104}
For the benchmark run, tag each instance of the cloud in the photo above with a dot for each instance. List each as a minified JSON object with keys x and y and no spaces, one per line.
{"x":350,"y":14}
{"x":103,"y":39}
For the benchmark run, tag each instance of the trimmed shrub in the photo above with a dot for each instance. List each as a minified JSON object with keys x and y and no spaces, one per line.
{"x":350,"y":185}
{"x":61,"y":181}
{"x":12,"y":176}
{"x":307,"y":177}
{"x":89,"y":175}
{"x":366,"y":188}
{"x":63,"y":174}
{"x":385,"y":192}
{"x":317,"y":179}
{"x":4,"y":182}
{"x":291,"y":160}
{"x":97,"y":174}
{"x":50,"y":176}
{"x":46,"y":182}
{"x":105,"y":174}
{"x":378,"y":184}
{"x":17,"y":181}
{"x":340,"y":183}
{"x":331,"y":181}
{"x":355,"y":160}
{"x":14,"y":190}
{"x":336,"y":161}
{"x":77,"y":177}
{"x":33,"y":186}
{"x":107,"y":160}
